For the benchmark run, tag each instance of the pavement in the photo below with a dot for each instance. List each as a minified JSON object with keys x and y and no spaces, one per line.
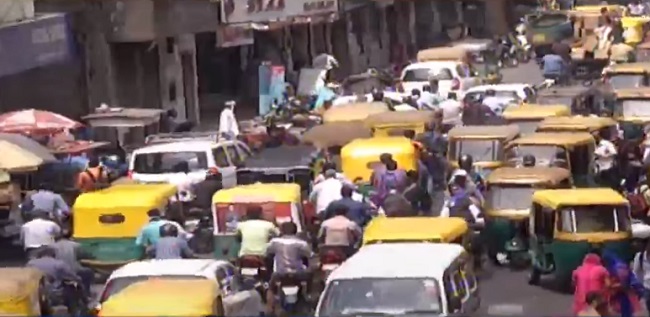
{"x":504,"y":292}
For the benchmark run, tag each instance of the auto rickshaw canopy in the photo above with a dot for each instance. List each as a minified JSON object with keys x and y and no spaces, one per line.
{"x":119,"y":210}
{"x":557,"y":198}
{"x":161,"y":297}
{"x":442,"y":54}
{"x":259,"y":192}
{"x":400,"y":120}
{"x":484,"y":132}
{"x":354,"y":111}
{"x":627,"y":68}
{"x":550,"y":176}
{"x":336,"y":133}
{"x":575,"y":123}
{"x":633,"y":93}
{"x":360,"y":156}
{"x":535,"y":111}
{"x":414,"y":229}
{"x":567,"y":139}
{"x":19,"y":291}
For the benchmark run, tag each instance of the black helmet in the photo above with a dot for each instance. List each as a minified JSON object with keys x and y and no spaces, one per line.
{"x":168,"y":230}
{"x":466,"y":162}
{"x":528,"y":160}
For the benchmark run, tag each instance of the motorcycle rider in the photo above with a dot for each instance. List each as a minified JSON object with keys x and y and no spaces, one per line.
{"x":326,"y":192}
{"x":255,"y":233}
{"x":57,"y":273}
{"x":170,"y":245}
{"x":554,"y":67}
{"x":70,"y":252}
{"x":469,"y":179}
{"x":150,"y":233}
{"x":288,"y":254}
{"x":339,"y":231}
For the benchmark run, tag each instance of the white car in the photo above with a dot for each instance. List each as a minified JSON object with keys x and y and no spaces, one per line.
{"x":450,"y":75}
{"x":159,"y":163}
{"x":511,"y":93}
{"x":239,"y":301}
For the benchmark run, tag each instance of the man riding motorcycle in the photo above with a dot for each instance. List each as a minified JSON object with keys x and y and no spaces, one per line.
{"x":58,"y":276}
{"x":289,"y":255}
{"x":170,"y":245}
{"x":255,"y":233}
{"x":467,"y":178}
{"x":340,"y":232}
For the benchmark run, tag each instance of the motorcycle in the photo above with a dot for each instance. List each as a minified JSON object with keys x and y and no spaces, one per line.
{"x":70,"y":300}
{"x":291,"y":296}
{"x":331,"y":257}
{"x":202,"y":239}
{"x":253,"y":270}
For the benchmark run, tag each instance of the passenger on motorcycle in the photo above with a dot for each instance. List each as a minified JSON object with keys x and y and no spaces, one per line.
{"x":170,"y":245}
{"x":150,"y":233}
{"x":57,"y":274}
{"x":358,"y":210}
{"x":255,"y":233}
{"x":70,"y":252}
{"x":339,"y":231}
{"x":289,"y":255}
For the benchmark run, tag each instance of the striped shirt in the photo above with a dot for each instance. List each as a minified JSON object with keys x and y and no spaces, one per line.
{"x":289,"y":252}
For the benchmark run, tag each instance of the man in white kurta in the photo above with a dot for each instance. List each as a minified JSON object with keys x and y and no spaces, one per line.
{"x":228,"y":127}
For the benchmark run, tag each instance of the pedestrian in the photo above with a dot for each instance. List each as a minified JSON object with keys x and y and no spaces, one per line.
{"x":70,"y":252}
{"x":228,"y":127}
{"x":605,"y":155}
{"x":589,"y":277}
{"x":433,"y":158}
{"x":641,"y":269}
{"x":38,"y":232}
{"x":93,"y":178}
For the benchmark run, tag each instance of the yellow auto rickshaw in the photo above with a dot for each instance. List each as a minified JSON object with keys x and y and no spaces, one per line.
{"x":508,"y":198}
{"x":107,"y":222}
{"x":280,"y":202}
{"x":416,"y":229}
{"x":485,"y":144}
{"x":627,"y":75}
{"x":572,"y":151}
{"x":328,"y":139}
{"x":632,"y":105}
{"x":354,"y":111}
{"x":166,"y":297}
{"x":576,"y":124}
{"x":566,"y":224}
{"x":359,"y":157}
{"x":21,"y":292}
{"x":528,"y":116}
{"x":633,"y":27}
{"x":398,"y":122}
{"x":614,"y":8}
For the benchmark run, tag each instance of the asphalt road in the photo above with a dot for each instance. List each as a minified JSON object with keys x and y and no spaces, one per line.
{"x":503,"y":292}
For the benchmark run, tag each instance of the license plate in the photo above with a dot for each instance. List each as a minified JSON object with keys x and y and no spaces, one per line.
{"x":249,"y":271}
{"x":290,"y":290}
{"x":330,"y":267}
{"x":539,"y":38}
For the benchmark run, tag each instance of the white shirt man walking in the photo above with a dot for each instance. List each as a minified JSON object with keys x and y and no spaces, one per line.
{"x":228,"y":127}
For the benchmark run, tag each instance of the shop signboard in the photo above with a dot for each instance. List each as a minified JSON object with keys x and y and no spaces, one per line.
{"x":247,"y":11}
{"x":33,"y":43}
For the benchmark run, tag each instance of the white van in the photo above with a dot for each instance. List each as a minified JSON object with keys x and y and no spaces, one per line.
{"x":424,"y":279}
{"x":450,"y":75}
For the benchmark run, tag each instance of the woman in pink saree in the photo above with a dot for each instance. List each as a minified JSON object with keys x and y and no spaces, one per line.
{"x":589,"y":277}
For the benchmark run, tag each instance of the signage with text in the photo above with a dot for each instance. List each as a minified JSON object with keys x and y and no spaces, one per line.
{"x":246,"y":11}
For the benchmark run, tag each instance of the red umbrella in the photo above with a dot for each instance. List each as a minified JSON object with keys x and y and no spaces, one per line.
{"x":34,"y":121}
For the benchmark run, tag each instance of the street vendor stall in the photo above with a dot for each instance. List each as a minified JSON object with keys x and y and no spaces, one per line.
{"x":35,"y":122}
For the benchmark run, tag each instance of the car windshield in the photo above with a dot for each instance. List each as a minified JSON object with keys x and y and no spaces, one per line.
{"x":480,"y":150}
{"x":394,"y":296}
{"x":621,"y":81}
{"x":417,"y":74}
{"x":635,"y":108}
{"x":595,"y":218}
{"x":169,"y":162}
{"x":116,"y":285}
{"x":545,"y":155}
{"x":510,"y":197}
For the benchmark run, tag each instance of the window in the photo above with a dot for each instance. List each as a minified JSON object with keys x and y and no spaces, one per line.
{"x":443,"y":74}
{"x":545,"y":155}
{"x":416,"y":74}
{"x":170,"y":162}
{"x":381,"y":296}
{"x":480,"y":150}
{"x":233,"y":155}
{"x":634,"y":108}
{"x":510,"y":197}
{"x":220,"y":157}
{"x":621,"y":81}
{"x":599,"y":218}
{"x":244,"y":153}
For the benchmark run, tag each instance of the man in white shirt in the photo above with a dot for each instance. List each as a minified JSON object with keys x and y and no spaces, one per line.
{"x":228,"y":127}
{"x":605,"y":155}
{"x":452,"y":110}
{"x":38,"y":232}
{"x":326,"y":191}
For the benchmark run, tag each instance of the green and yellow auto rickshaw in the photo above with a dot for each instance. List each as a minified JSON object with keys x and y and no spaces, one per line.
{"x":528,"y":116}
{"x":570,"y":150}
{"x":486,"y":145}
{"x":576,"y":124}
{"x":633,"y":111}
{"x":107,"y":222}
{"x":280,"y":202}
{"x":396,"y":123}
{"x":566,"y":224}
{"x":507,"y":203}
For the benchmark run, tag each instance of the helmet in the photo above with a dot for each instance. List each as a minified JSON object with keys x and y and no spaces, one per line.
{"x":168,"y":230}
{"x":466,"y":162}
{"x":528,"y":160}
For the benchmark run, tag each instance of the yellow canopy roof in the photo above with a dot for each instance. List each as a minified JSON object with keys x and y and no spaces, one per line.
{"x":15,"y":158}
{"x":186,"y":298}
{"x":354,"y":111}
{"x":414,"y":229}
{"x":555,"y":198}
{"x":576,"y":123}
{"x":628,"y":68}
{"x":267,"y":192}
{"x":533,"y":111}
{"x":551,"y":138}
{"x":127,"y":195}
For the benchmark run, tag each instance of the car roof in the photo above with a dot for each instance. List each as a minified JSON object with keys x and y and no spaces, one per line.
{"x":195,"y":267}
{"x":432,"y":64}
{"x":178,"y":147}
{"x":499,"y":87}
{"x":399,"y":260}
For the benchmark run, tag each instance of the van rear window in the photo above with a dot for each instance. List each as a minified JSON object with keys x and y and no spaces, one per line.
{"x":170,"y":162}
